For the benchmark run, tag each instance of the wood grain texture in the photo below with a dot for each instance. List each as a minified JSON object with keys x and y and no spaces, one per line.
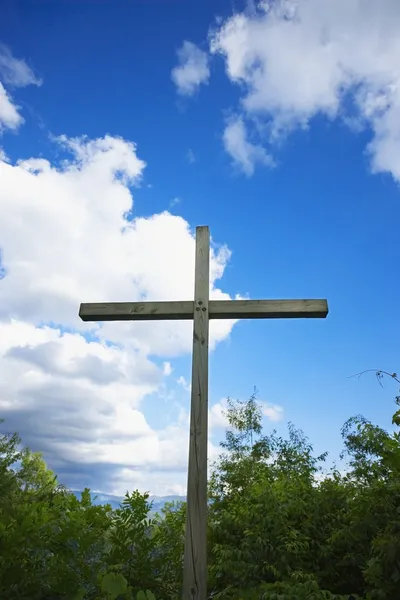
{"x":136,"y":311}
{"x":218,"y":309}
{"x":195,"y":556}
{"x":267,"y":309}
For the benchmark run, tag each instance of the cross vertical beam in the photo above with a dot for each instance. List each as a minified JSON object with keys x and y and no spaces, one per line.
{"x":195,"y":557}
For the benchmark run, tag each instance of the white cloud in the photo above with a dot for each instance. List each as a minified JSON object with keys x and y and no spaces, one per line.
{"x":273,"y":412}
{"x":92,"y":253}
{"x":217,"y":415}
{"x":191,"y":157}
{"x":72,"y":389}
{"x":174,"y":202}
{"x":244,"y":154}
{"x":295,"y":59}
{"x":15,"y":71}
{"x":9,"y":115}
{"x":3,"y":155}
{"x":76,"y":400}
{"x":185,"y":384}
{"x":167,"y":368}
{"x":192,"y":69}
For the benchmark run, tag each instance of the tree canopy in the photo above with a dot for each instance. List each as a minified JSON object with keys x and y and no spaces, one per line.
{"x":278,"y":527}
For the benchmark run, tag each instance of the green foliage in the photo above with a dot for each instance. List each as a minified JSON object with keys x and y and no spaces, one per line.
{"x":131,"y":540}
{"x":277,"y":530}
{"x":273,"y":521}
{"x":292,"y":590}
{"x":147,"y":595}
{"x":114,"y":585}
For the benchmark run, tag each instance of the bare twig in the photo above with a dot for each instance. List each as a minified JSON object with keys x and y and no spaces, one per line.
{"x":379,"y":374}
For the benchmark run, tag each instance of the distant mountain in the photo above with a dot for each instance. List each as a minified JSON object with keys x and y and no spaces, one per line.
{"x":158,"y":501}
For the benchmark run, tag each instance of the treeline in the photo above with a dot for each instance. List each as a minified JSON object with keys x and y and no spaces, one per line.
{"x":277,"y":530}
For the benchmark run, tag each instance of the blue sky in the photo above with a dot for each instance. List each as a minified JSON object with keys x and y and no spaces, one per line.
{"x":285,"y":145}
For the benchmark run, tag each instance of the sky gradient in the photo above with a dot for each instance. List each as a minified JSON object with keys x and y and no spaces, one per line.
{"x":124,"y":125}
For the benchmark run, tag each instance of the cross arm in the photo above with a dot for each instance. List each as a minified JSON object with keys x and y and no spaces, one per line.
{"x":136,"y":311}
{"x":218,"y":309}
{"x":267,"y":309}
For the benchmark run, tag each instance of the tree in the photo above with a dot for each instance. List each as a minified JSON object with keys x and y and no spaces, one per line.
{"x":265,"y":518}
{"x":51,"y":544}
{"x":277,"y":529}
{"x":33,"y":474}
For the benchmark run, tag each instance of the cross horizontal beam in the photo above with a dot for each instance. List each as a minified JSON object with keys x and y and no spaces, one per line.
{"x":136,"y":311}
{"x":218,"y":309}
{"x":267,"y":309}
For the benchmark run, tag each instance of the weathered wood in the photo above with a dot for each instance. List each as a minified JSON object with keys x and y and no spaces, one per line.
{"x":195,"y":556}
{"x":218,"y":309}
{"x":201,"y":310}
{"x":136,"y":311}
{"x":267,"y":309}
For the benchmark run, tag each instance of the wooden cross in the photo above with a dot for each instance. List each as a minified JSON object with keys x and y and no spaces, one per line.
{"x":201,"y":310}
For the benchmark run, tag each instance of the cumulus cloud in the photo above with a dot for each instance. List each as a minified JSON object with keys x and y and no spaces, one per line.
{"x":244,"y":154}
{"x":295,"y":59}
{"x":217,"y":415}
{"x":192,"y":70}
{"x":14,"y":72}
{"x":75,"y":390}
